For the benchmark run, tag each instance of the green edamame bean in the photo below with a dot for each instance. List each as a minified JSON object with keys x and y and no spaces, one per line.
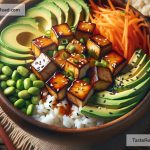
{"x":3,"y":85}
{"x":3,"y":77}
{"x":38,"y":84}
{"x":24,"y":94}
{"x":23,"y":71}
{"x":10,"y":82}
{"x":27,"y":83}
{"x":10,"y":90}
{"x":35,"y":99}
{"x":7,"y":70}
{"x":19,"y":84}
{"x":13,"y":99}
{"x":33,"y":77}
{"x":15,"y":75}
{"x":24,"y":110}
{"x":34,"y":91}
{"x":27,"y":103}
{"x":30,"y":110}
{"x":19,"y":103}
{"x":1,"y":66}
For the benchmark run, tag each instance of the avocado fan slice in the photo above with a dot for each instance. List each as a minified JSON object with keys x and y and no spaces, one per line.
{"x":142,"y":87}
{"x":15,"y":62}
{"x":10,"y":54}
{"x":106,"y":113}
{"x":115,"y":104}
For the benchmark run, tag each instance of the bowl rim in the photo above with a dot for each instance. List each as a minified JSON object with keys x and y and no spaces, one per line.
{"x":4,"y":102}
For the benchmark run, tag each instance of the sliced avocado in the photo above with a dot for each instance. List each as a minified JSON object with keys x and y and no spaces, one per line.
{"x":63,"y":5}
{"x":105,"y":113}
{"x":57,"y":15}
{"x":10,"y":54}
{"x":142,"y":87}
{"x":27,"y":20}
{"x":138,"y":78}
{"x":133,"y":71}
{"x":42,"y":16}
{"x":86,"y":9}
{"x":77,"y":11}
{"x":14,"y":62}
{"x":18,"y":37}
{"x":134,"y":61}
{"x":115,"y":104}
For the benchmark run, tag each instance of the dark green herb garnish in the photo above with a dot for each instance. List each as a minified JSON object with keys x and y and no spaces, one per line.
{"x":64,"y":42}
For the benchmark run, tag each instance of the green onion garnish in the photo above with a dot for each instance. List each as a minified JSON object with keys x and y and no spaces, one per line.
{"x":61,"y":47}
{"x":102,"y":63}
{"x":82,"y":40}
{"x":47,"y":33}
{"x":71,"y":48}
{"x":64,"y":42}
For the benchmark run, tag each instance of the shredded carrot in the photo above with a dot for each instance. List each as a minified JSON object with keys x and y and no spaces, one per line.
{"x":122,"y":26}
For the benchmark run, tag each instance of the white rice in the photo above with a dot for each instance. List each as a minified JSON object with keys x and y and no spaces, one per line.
{"x":44,"y":113}
{"x":142,"y":5}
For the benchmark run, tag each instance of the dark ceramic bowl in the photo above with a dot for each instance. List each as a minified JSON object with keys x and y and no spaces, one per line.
{"x":56,"y":134}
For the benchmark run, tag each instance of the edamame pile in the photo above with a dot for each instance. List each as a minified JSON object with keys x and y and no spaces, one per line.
{"x":21,"y":87}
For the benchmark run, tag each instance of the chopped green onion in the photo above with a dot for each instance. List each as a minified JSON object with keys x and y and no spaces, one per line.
{"x":71,"y":78}
{"x":72,"y":28}
{"x":86,"y":80}
{"x":82,"y":55}
{"x":54,"y":52}
{"x":64,"y":42}
{"x":71,"y":48}
{"x":76,"y":61}
{"x":61,"y":47}
{"x":65,"y":55}
{"x":82,"y":40}
{"x":102,"y":63}
{"x":47,"y":33}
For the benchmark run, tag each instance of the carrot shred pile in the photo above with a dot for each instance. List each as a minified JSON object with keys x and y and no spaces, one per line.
{"x":122,"y":26}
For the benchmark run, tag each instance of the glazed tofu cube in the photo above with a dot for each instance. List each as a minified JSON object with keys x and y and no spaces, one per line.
{"x":101,"y":78}
{"x":79,"y":92}
{"x":98,"y":46}
{"x":61,"y":32}
{"x":42,"y":44}
{"x":84,"y":30}
{"x":60,"y":58}
{"x":115,"y":62}
{"x":76,"y":47}
{"x":57,"y":85}
{"x":76,"y":65}
{"x":43,"y":67}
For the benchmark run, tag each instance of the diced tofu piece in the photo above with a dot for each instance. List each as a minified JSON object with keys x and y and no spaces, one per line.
{"x":98,"y":46}
{"x":57,"y":85}
{"x":60,"y":58}
{"x":61,"y":32}
{"x":101,"y":78}
{"x":79,"y":92}
{"x":42,"y":44}
{"x":115,"y":62}
{"x":84,"y":30}
{"x":76,"y":47}
{"x":43,"y":67}
{"x":76,"y":65}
